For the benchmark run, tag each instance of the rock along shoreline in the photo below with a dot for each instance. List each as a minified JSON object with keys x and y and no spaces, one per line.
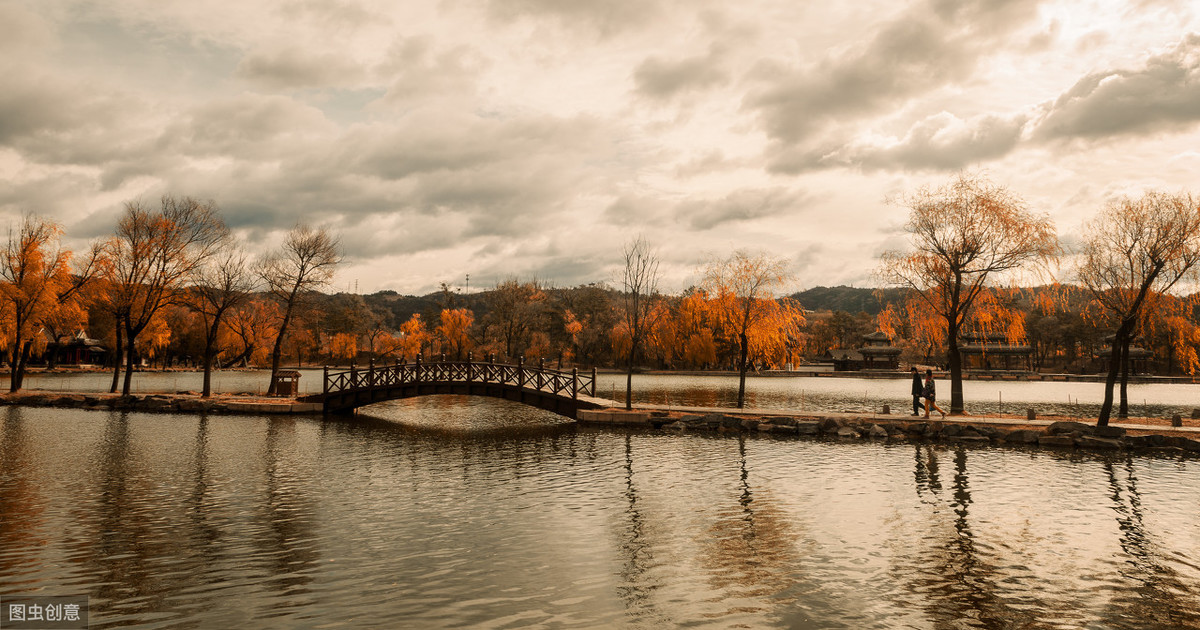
{"x":1059,"y":434}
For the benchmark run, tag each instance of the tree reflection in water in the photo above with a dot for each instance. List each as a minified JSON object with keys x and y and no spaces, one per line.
{"x":287,"y":540}
{"x":751,"y":552}
{"x":638,"y":584}
{"x":1154,"y":591}
{"x":957,"y":588}
{"x":21,"y":507}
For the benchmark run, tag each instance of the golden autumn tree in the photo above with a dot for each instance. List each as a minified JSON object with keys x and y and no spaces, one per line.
{"x":1174,"y":332}
{"x":455,"y":331}
{"x":743,"y":288}
{"x":245,"y":331}
{"x":151,"y":257}
{"x":414,"y":336}
{"x":37,"y":287}
{"x":572,"y":327}
{"x":694,"y":324}
{"x":342,"y":346}
{"x":154,"y":337}
{"x":1134,"y":252}
{"x":963,"y":237}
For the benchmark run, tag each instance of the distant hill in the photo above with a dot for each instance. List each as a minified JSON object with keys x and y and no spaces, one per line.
{"x":847,"y":299}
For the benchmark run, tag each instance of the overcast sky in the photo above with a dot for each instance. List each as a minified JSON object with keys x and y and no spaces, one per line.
{"x":532,"y":138}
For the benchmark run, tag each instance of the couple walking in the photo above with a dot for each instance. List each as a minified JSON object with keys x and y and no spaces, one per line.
{"x":926,"y":391}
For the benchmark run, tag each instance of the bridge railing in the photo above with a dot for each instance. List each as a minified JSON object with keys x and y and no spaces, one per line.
{"x":538,"y":378}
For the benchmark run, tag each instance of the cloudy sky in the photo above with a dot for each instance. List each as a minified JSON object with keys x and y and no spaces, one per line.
{"x":532,"y":138}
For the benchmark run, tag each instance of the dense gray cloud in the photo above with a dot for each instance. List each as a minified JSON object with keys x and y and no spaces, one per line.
{"x":940,"y":142}
{"x":1162,"y":95}
{"x":927,"y":47}
{"x":740,"y":205}
{"x":634,"y":211}
{"x":662,"y":79}
{"x":295,"y":67}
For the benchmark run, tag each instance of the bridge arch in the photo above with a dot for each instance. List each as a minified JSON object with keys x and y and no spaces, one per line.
{"x":561,"y":392}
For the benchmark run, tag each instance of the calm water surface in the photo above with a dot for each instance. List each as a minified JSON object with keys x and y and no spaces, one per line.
{"x":448,"y":512}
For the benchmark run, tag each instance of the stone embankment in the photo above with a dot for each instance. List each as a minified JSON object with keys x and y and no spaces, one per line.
{"x":185,"y":402}
{"x":1062,"y":434}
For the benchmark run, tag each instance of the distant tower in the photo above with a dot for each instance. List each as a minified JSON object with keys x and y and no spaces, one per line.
{"x":468,"y":284}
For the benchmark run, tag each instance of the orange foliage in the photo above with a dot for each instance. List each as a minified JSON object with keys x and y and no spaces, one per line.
{"x":455,"y":331}
{"x":35,"y":276}
{"x":246,"y":329}
{"x":342,"y":346}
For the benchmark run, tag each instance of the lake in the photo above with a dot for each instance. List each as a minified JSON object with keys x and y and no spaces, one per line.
{"x":451,"y":512}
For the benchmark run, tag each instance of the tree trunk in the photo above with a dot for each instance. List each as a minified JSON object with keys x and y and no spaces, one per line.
{"x":955,"y":360}
{"x":13,"y":353}
{"x":208,"y":363}
{"x":130,"y":355}
{"x":1114,"y":365}
{"x":1123,"y":409}
{"x":745,"y":350}
{"x":18,"y":368}
{"x":120,"y":348}
{"x":242,"y":358}
{"x":277,"y":351}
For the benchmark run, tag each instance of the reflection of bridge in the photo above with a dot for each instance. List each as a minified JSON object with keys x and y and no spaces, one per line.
{"x":562,"y":392}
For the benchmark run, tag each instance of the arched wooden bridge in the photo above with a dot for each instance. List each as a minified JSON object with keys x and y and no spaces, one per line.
{"x":562,"y":392}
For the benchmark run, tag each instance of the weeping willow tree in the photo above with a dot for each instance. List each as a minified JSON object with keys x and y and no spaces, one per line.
{"x":1133,"y":253}
{"x":963,"y":238}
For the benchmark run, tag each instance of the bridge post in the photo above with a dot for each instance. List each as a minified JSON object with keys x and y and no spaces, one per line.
{"x":574,"y":382}
{"x":521,"y":372}
{"x":470,"y":367}
{"x":593,"y":381}
{"x":353,"y":375}
{"x":491,"y":357}
{"x":443,"y":357}
{"x":325,"y":380}
{"x":541,"y":372}
{"x":371,"y":373}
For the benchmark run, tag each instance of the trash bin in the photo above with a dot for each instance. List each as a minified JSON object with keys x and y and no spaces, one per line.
{"x":287,"y":383}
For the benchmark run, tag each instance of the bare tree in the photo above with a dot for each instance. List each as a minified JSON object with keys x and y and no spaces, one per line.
{"x":152,"y":255}
{"x":963,"y":236}
{"x":304,"y":263}
{"x":743,"y":289}
{"x":640,"y":284}
{"x":221,"y":284}
{"x":1133,"y":253}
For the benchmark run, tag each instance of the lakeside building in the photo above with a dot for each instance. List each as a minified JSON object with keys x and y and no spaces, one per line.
{"x":1139,"y":357}
{"x":991,"y":352}
{"x":77,"y":349}
{"x":876,"y":353}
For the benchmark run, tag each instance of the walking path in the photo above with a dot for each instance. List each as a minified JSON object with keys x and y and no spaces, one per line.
{"x":1129,"y":424}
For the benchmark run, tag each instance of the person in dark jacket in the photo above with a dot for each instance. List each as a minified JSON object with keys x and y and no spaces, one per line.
{"x":930,"y":394}
{"x":917,"y":388}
